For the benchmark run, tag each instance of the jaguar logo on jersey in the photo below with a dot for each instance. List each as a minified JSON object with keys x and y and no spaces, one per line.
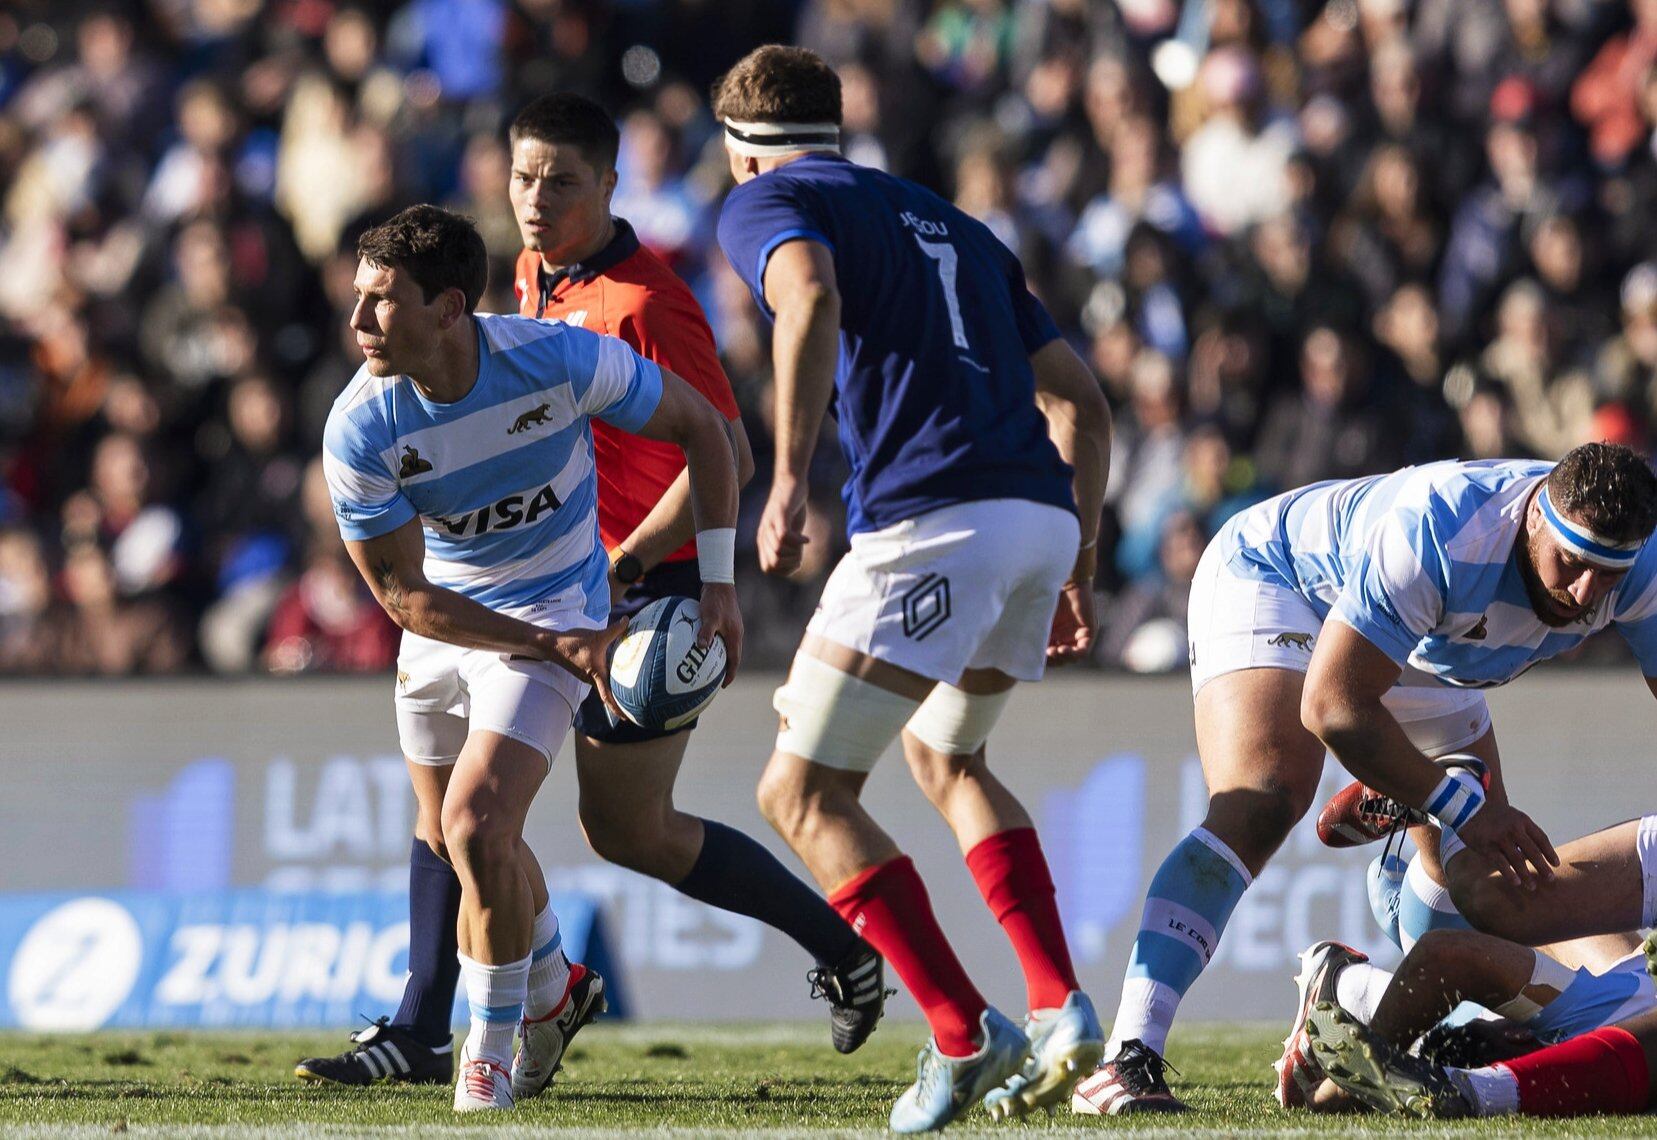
{"x":504,"y":514}
{"x":412,"y":464}
{"x":535,"y":417}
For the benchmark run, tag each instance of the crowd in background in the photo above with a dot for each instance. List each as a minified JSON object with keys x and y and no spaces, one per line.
{"x":1296,"y":240}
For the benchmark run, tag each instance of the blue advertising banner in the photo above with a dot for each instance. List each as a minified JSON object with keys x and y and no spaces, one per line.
{"x":230,"y":958}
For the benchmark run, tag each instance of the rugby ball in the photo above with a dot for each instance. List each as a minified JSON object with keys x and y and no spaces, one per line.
{"x":660,"y":677}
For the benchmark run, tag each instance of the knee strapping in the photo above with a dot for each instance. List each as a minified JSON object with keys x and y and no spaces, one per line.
{"x":956,"y":722}
{"x":830,"y":717}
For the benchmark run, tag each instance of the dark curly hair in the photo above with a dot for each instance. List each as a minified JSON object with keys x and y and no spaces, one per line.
{"x":438,"y":248}
{"x":1609,"y":488}
{"x":777,"y":84}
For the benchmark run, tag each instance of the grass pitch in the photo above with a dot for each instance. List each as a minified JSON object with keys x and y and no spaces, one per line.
{"x":659,"y":1079}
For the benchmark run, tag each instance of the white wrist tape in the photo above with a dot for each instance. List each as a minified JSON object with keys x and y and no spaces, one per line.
{"x":716,"y":555}
{"x":1457,"y":799}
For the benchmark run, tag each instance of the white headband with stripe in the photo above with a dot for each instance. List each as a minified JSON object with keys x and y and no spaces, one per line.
{"x":767,"y":140}
{"x":1584,"y":543}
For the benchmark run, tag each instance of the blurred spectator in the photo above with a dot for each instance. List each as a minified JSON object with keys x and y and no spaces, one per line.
{"x":1235,"y":163}
{"x":251,"y":480}
{"x":327,"y":621}
{"x":1606,"y":97}
{"x":27,"y":636}
{"x":652,"y":194}
{"x":1626,"y":370}
{"x":104,"y":633}
{"x":1144,"y":629}
{"x":1552,"y":406}
{"x":1336,"y":427}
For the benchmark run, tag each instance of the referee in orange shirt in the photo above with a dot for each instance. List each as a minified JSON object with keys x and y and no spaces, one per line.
{"x":585,"y":267}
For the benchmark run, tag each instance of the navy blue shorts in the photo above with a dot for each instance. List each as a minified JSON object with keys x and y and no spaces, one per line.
{"x":669,"y":580}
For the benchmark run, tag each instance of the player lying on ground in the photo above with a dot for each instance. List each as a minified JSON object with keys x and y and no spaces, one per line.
{"x":1364,"y":618}
{"x":583,"y":266}
{"x":478,"y":536}
{"x":1539,"y":996}
{"x":1608,"y":1070}
{"x":977,"y":442}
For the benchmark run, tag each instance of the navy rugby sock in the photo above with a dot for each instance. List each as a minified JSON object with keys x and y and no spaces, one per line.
{"x":428,"y":1005}
{"x":735,"y":873}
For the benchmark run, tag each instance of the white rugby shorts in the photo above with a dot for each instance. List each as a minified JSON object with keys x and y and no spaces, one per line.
{"x":1238,"y":623}
{"x":968,"y":586}
{"x":445,"y":692}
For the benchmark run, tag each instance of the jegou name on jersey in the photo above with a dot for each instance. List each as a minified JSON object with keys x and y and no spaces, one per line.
{"x":503,"y":514}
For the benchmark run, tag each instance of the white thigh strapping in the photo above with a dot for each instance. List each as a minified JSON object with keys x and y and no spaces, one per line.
{"x":832,"y":718}
{"x":954,"y":722}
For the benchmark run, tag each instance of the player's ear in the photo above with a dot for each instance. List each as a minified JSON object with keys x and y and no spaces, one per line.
{"x":607,"y":183}
{"x":453,"y":307}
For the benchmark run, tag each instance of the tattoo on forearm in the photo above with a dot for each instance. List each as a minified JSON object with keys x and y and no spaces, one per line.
{"x":391,"y":586}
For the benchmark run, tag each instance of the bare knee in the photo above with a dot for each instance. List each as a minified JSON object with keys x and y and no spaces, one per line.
{"x":627,"y":839}
{"x":1490,"y":905}
{"x":938,"y":774}
{"x":1255,"y":821}
{"x":478,"y":840}
{"x":782,"y":798}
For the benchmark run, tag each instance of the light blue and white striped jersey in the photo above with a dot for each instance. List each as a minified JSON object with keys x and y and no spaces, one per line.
{"x":502,"y":479}
{"x":1421,"y":563}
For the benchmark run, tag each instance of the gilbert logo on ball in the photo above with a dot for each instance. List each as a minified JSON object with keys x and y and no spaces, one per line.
{"x":660,"y":677}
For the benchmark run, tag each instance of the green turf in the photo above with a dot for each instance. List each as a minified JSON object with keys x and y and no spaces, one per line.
{"x":632,"y":1080}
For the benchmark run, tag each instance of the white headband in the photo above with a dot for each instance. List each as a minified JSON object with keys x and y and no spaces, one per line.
{"x":766,"y":140}
{"x":1591,"y":547}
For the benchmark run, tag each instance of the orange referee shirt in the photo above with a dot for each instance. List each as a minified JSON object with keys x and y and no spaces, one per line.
{"x":628,"y":292}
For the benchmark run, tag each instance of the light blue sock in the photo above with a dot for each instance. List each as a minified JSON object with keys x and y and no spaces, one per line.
{"x":1386,"y":893}
{"x":1423,"y":905}
{"x":1190,"y":900}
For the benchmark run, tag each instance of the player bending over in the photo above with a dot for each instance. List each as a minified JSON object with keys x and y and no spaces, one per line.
{"x":958,"y":409}
{"x":480,"y":538}
{"x":1363,"y":617}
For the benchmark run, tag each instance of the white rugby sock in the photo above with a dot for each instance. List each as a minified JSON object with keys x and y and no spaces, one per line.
{"x":549,"y":969}
{"x":1359,"y":987}
{"x":496,"y":996}
{"x":1493,"y":1090}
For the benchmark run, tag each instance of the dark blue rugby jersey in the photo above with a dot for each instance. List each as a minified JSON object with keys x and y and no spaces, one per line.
{"x":934,"y":393}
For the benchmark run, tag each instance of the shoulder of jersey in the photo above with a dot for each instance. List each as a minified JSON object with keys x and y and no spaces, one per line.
{"x":503,"y":331}
{"x":362,"y":388}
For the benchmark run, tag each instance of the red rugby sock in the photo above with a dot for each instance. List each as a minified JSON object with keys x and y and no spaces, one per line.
{"x":1603,"y":1071}
{"x":889,"y":907}
{"x":1012,"y":875}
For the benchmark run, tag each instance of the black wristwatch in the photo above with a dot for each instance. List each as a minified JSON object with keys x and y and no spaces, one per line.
{"x":627,"y":568}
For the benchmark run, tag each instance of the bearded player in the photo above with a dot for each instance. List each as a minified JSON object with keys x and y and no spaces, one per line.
{"x":977,"y":443}
{"x":1364,"y":617}
{"x":582,"y":266}
{"x":460,"y":465}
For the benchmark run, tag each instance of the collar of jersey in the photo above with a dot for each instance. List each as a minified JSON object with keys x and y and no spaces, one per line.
{"x":622,"y":245}
{"x":469,"y":401}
